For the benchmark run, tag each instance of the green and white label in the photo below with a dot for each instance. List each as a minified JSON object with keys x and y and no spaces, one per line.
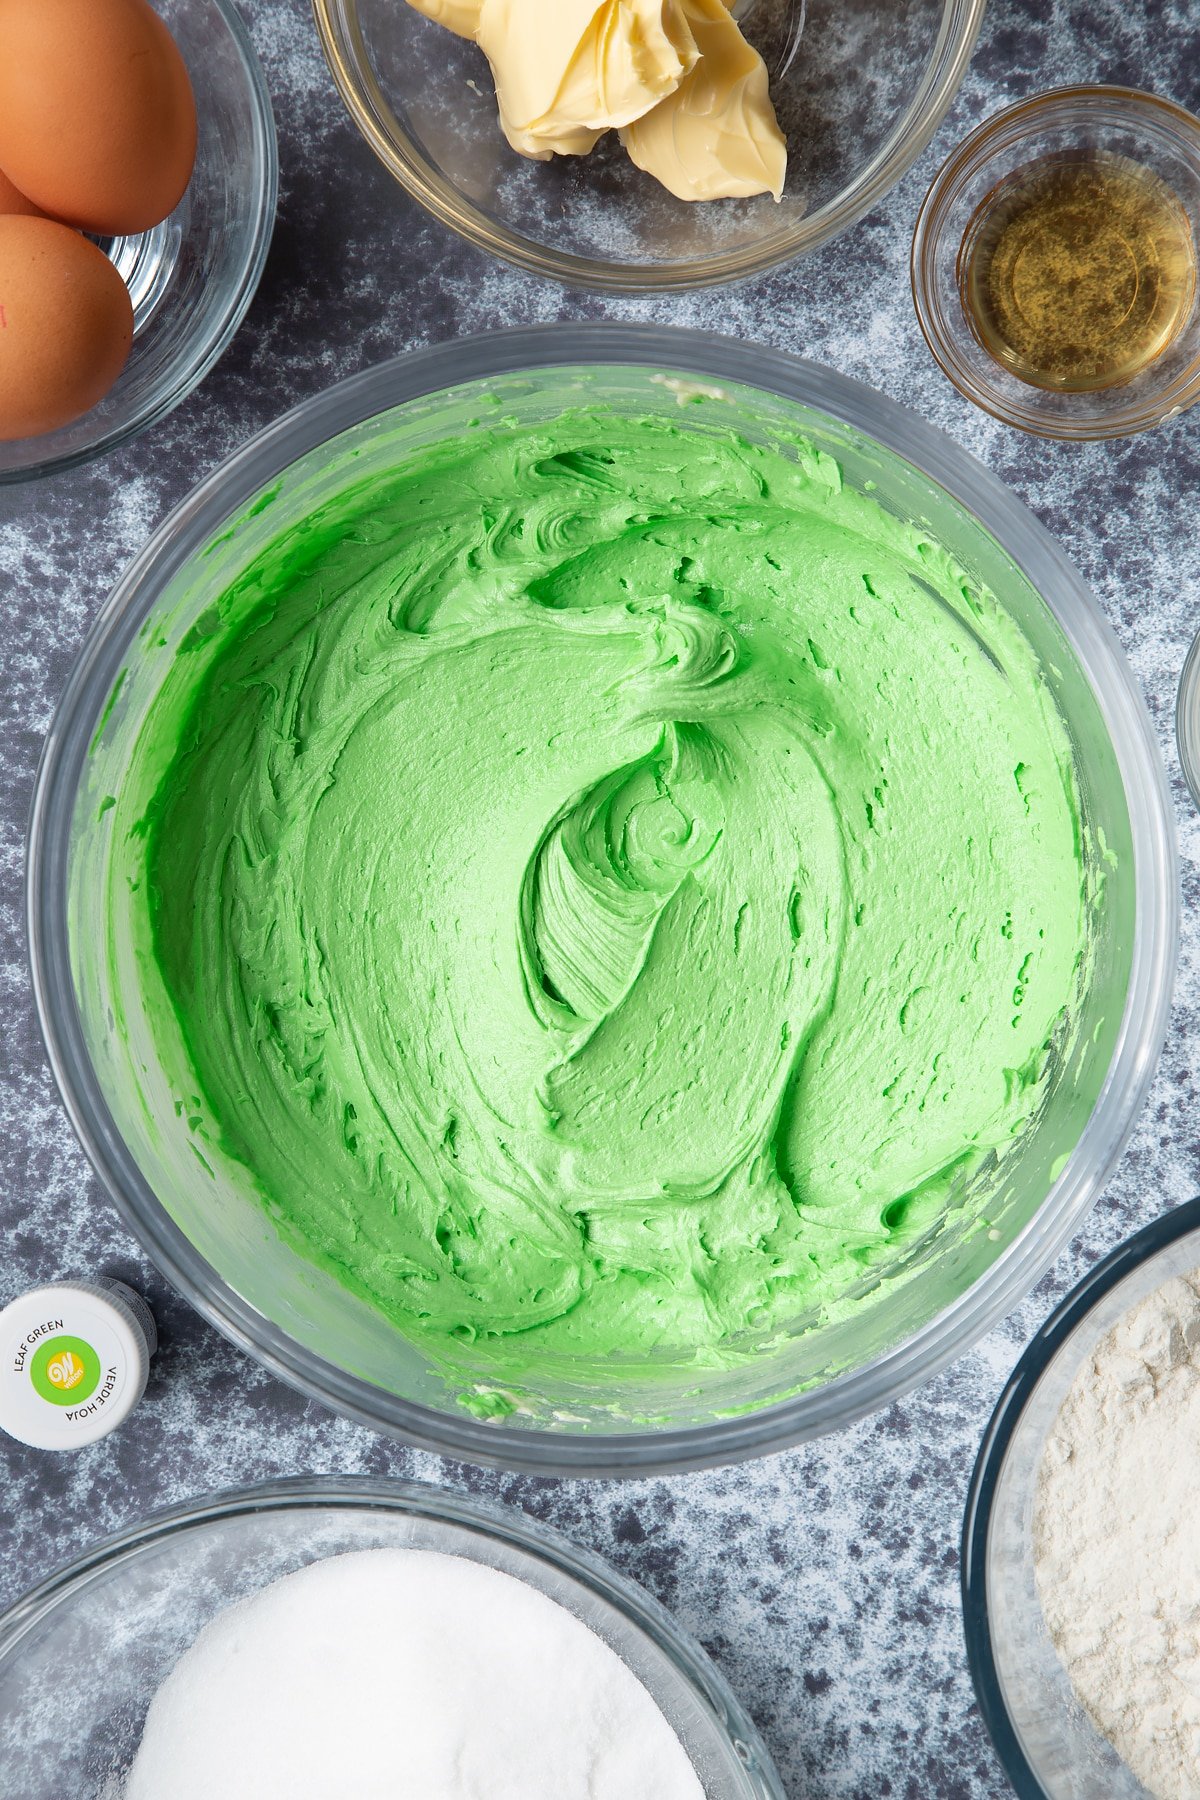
{"x":65,"y":1371}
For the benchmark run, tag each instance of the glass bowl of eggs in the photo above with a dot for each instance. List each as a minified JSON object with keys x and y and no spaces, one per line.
{"x":109,"y":321}
{"x":785,"y":120}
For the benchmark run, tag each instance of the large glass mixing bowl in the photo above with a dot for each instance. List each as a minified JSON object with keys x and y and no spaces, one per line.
{"x":203,"y":1224}
{"x":859,"y":86}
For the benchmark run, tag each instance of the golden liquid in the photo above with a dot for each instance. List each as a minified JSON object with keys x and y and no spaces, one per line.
{"x":1077,"y":272}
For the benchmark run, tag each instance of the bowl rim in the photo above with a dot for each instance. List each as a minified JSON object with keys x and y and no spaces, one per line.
{"x":1019,"y":1389}
{"x":706,"y":1685}
{"x":1187,"y":724}
{"x":999,"y":130}
{"x":341,"y":41}
{"x":204,"y":354}
{"x":848,"y":403}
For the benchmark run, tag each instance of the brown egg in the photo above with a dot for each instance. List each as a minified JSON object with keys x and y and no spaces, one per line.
{"x":12,"y":200}
{"x":66,"y":325}
{"x":97,"y":117}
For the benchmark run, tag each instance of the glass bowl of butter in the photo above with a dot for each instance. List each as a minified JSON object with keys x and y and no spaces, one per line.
{"x":655,"y":144}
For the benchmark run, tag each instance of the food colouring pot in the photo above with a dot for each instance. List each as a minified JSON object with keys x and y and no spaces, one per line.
{"x":202,"y":1223}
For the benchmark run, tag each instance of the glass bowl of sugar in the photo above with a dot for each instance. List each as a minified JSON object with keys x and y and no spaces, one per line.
{"x":1081,"y":1586}
{"x":293,"y":1637}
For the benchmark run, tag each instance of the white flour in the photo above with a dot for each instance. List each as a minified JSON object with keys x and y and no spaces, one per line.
{"x":404,"y":1675}
{"x":1116,"y":1534}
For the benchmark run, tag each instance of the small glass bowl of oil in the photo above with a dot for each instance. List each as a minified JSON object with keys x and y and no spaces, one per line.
{"x":1055,"y":259}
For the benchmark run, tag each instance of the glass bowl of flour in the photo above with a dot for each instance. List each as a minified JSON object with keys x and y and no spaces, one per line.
{"x":284,"y":1638}
{"x":1081,"y":1583}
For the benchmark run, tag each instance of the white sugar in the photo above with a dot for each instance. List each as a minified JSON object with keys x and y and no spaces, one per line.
{"x":405,"y":1675}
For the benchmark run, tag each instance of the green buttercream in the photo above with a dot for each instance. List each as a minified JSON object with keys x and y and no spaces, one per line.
{"x":615,"y":885}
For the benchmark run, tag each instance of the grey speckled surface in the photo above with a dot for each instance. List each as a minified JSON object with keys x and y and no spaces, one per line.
{"x":823,"y":1581}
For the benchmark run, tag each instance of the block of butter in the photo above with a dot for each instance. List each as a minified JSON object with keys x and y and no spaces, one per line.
{"x":568,"y":70}
{"x":686,"y":91}
{"x":715,"y":136}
